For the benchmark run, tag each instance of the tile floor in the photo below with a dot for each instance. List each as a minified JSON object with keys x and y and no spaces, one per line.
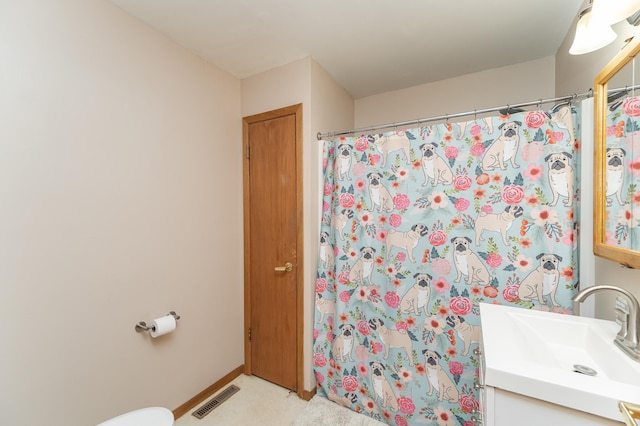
{"x":258,"y":402}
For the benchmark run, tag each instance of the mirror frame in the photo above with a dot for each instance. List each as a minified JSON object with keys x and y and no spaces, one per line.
{"x":624,"y":256}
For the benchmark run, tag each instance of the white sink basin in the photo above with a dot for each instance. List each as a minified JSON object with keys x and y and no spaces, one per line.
{"x":533,"y":353}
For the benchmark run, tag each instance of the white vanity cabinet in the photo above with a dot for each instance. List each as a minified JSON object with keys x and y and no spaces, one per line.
{"x":504,"y":408}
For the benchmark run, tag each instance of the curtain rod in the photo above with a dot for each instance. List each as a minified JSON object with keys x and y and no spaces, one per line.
{"x":569,"y":98}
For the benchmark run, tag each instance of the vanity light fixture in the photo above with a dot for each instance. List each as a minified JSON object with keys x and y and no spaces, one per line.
{"x":593,"y":30}
{"x":591,"y":34}
{"x":612,"y":11}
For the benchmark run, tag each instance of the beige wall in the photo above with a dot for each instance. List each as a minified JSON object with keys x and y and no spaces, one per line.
{"x":325,"y":105}
{"x":121,"y":187}
{"x":575,"y":74}
{"x":521,"y":82}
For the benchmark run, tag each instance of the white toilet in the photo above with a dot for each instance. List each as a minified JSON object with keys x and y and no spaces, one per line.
{"x":152,"y":416}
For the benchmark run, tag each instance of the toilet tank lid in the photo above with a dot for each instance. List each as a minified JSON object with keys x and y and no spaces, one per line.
{"x":151,"y":416}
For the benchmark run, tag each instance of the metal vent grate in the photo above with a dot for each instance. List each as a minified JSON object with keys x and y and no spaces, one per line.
{"x":215,"y":401}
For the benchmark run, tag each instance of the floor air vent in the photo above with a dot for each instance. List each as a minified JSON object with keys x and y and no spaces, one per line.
{"x":215,"y":401}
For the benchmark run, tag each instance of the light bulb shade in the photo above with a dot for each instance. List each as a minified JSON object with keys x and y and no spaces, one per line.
{"x":608,"y":12}
{"x":590,"y":35}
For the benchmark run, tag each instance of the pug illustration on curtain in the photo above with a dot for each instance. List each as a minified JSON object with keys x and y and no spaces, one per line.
{"x":622,"y":170}
{"x":420,"y":226}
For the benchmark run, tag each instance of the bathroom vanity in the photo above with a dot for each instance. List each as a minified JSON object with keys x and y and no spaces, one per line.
{"x":504,"y":408}
{"x":547,"y":368}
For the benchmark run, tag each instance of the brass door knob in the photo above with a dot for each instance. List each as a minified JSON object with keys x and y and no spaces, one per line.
{"x":288,"y":267}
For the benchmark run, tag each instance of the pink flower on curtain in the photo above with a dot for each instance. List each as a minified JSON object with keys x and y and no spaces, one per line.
{"x":475,"y":130}
{"x":321,"y":285}
{"x":347,"y":200}
{"x":468,"y":403}
{"x":349,"y":383}
{"x":392,"y":299}
{"x":451,"y":152}
{"x":512,"y":194}
{"x":535,"y":119}
{"x":462,"y":182}
{"x":400,"y":421}
{"x":460,"y":305}
{"x":363,"y":327}
{"x":319,"y":359}
{"x":533,"y":172}
{"x":345,"y":296}
{"x":402,"y":326}
{"x":438,"y":238}
{"x":486,"y":209}
{"x":395,"y":220}
{"x":406,"y":405}
{"x":441,"y":285}
{"x":329,"y":336}
{"x":510,"y":293}
{"x":361,"y":144}
{"x":494,"y":260}
{"x":456,"y":368}
{"x":462,"y":204}
{"x":631,"y":106}
{"x":477,"y":149}
{"x":401,"y":201}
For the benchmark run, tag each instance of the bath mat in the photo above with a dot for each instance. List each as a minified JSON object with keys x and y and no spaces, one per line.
{"x":322,"y":412}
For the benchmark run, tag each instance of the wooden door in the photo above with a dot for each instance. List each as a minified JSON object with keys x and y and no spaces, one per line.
{"x":273,"y":267}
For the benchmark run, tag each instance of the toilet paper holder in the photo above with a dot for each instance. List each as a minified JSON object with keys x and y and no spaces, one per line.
{"x":142,"y":326}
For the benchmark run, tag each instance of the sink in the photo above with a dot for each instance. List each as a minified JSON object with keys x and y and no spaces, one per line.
{"x":545,"y":355}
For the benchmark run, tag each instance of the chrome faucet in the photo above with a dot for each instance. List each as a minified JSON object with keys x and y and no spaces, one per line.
{"x":627,"y":338}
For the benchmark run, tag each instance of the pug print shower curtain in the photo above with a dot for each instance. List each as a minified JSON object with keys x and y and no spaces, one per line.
{"x":419,"y":226}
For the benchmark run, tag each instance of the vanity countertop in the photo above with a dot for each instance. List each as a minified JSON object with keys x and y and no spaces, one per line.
{"x":536,"y":354}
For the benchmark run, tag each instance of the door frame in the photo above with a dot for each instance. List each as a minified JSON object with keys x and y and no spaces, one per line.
{"x":295,"y":110}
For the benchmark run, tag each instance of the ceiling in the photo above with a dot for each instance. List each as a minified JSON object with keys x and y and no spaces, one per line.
{"x":368,"y":46}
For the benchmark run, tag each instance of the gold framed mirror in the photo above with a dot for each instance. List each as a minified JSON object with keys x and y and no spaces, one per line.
{"x":616,"y":184}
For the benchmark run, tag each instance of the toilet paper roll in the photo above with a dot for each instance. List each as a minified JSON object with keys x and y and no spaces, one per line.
{"x":162,"y":326}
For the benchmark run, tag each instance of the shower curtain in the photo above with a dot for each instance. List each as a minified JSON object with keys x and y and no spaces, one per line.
{"x":418,"y":227}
